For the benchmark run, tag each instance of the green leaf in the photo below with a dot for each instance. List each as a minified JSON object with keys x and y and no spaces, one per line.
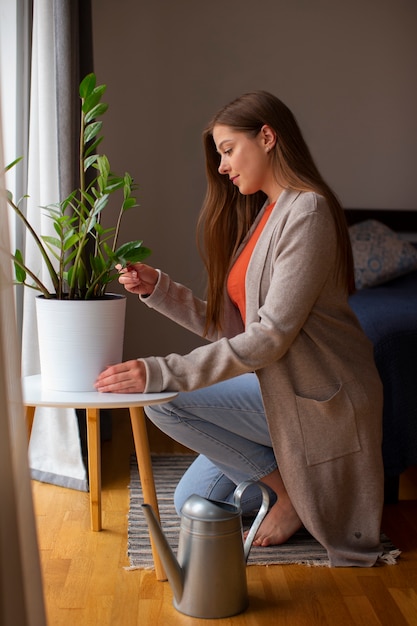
{"x":100,"y":203}
{"x":91,"y":131}
{"x":12,"y":164}
{"x":68,"y":200}
{"x":96,"y":111}
{"x":92,"y":147}
{"x":70,"y":241}
{"x":87,"y":85}
{"x":93,"y":98}
{"x":58,"y":228}
{"x":132,"y":252}
{"x":114,"y":186}
{"x":99,"y":229}
{"x":53,"y":241}
{"x":18,"y":270}
{"x":77,"y":277}
{"x":129,"y":203}
{"x":88,"y":200}
{"x":88,"y":162}
{"x":103,"y":165}
{"x":70,"y":257}
{"x":82,"y":276}
{"x":98,"y":264}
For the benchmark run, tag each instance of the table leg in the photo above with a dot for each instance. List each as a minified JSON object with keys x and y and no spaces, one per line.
{"x":94,"y":466}
{"x":30,"y":416}
{"x":143,"y":456}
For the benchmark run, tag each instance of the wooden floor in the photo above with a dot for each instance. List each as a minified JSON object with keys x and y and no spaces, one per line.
{"x":86,"y":582}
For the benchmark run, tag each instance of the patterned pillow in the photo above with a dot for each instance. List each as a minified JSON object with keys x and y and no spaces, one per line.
{"x":379,"y":254}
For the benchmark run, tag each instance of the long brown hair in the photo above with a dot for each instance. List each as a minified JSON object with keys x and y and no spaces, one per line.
{"x":227,"y":215}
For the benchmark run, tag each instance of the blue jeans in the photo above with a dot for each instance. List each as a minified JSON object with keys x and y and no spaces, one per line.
{"x":226,"y":425}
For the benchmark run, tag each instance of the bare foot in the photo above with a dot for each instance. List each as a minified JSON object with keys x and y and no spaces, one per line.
{"x":282,"y":520}
{"x":279,"y":525}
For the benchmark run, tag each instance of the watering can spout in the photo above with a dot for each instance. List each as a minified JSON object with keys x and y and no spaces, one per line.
{"x":173,"y":569}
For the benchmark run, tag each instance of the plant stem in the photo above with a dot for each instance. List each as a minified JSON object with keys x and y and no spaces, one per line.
{"x":116,"y":232}
{"x":72,"y":287}
{"x":40,"y":286}
{"x":48,"y":263}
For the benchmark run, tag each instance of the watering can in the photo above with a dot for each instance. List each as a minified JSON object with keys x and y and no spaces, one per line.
{"x":208,"y":576}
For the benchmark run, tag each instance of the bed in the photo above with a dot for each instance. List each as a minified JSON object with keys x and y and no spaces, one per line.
{"x":386,"y":305}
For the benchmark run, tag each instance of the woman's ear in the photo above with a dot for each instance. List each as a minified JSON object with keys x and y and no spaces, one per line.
{"x":269,"y":137}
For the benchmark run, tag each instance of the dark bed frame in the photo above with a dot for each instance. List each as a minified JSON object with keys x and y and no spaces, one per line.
{"x":400,"y":221}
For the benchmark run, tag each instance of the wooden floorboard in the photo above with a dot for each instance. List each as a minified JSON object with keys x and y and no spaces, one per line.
{"x":87,"y":583}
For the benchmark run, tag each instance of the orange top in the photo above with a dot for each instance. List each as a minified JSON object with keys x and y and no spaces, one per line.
{"x":237,"y":274}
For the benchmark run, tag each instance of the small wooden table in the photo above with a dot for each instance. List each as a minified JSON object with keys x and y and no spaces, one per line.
{"x":92,"y":401}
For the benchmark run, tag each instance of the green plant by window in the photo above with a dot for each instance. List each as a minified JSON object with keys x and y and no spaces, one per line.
{"x":82,"y":255}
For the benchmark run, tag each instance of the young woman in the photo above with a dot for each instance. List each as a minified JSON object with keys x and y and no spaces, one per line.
{"x":286,"y":391}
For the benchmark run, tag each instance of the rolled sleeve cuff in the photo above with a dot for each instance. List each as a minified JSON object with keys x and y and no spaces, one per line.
{"x":154,"y":382}
{"x":159,"y":292}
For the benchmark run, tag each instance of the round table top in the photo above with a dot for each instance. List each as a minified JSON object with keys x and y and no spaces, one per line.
{"x":35,"y":395}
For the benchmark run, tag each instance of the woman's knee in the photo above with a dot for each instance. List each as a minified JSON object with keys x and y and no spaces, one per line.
{"x":204,"y":479}
{"x":160,"y":414}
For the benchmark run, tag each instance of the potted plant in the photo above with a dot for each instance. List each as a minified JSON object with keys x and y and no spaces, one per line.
{"x":80,"y":260}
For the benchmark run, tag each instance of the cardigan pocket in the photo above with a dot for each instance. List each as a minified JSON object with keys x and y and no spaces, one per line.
{"x":328,"y":424}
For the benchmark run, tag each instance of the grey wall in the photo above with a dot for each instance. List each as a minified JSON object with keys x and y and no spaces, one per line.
{"x":346,"y":69}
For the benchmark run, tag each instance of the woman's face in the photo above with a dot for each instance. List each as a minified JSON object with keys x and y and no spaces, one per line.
{"x":246,"y":160}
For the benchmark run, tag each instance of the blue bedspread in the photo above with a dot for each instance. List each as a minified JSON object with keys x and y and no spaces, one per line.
{"x":388,"y":315}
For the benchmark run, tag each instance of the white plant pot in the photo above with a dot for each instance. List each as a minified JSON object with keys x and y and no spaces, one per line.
{"x":78,"y":339}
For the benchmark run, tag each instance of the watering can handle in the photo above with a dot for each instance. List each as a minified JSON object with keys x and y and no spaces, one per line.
{"x":261,"y":513}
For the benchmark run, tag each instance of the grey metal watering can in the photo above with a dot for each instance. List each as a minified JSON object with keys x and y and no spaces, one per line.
{"x":208,"y":577}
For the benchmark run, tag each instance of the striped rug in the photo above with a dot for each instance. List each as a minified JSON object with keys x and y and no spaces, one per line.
{"x":302,"y":548}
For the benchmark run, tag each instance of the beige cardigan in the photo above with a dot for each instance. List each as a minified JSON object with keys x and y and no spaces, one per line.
{"x":320,"y":387}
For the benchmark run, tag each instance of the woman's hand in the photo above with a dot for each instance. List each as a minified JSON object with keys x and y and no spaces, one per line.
{"x":127,"y":377}
{"x":138,"y":278}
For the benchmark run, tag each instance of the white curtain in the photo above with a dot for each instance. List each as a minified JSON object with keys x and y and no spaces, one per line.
{"x":55,"y":450}
{"x":20,"y":574}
